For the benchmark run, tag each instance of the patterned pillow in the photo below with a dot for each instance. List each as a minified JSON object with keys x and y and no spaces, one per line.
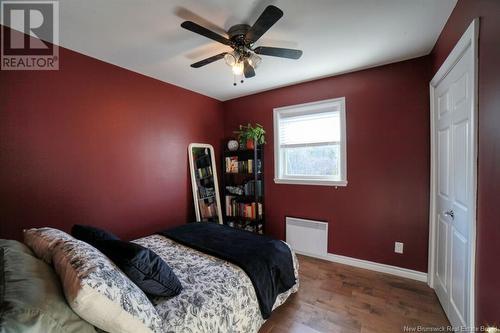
{"x":43,"y":241}
{"x":33,"y":300}
{"x":100,"y":293}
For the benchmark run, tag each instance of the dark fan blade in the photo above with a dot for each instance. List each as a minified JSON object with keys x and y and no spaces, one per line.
{"x":248,"y":70}
{"x":266,"y":20}
{"x":191,"y":26}
{"x":208,"y":60}
{"x":278,"y":52}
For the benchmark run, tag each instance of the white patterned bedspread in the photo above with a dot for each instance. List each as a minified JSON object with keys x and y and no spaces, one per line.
{"x":217,"y":296}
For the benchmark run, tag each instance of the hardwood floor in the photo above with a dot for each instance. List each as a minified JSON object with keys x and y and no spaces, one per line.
{"x":339,"y":298}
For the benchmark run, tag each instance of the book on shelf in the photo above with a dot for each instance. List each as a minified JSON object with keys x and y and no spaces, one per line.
{"x":234,"y":208}
{"x":232,"y":164}
{"x":253,"y":187}
{"x":258,"y":166}
{"x":229,"y":199}
{"x":245,"y":166}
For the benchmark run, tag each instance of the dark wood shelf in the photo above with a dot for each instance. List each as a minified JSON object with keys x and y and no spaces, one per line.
{"x":240,"y":179}
{"x":243,"y":224}
{"x":243,"y":151}
{"x":241,"y":174}
{"x":244,"y":219}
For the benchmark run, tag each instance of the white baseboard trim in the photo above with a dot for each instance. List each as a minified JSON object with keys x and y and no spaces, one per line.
{"x":374,"y":266}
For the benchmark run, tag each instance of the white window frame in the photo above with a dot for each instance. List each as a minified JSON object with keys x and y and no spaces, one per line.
{"x":309,"y":108}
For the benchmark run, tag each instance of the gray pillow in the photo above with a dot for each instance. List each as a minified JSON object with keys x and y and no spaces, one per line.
{"x":31,"y":296}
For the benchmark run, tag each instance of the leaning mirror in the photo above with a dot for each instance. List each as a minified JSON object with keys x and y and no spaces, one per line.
{"x":204,"y":181}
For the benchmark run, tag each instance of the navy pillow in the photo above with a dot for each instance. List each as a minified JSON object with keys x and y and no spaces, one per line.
{"x":90,"y":234}
{"x":144,"y":267}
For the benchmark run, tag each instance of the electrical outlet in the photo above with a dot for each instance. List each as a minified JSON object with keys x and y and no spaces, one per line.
{"x":398,"y":247}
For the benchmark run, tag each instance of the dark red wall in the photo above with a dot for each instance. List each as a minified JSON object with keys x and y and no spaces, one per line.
{"x":94,"y":143}
{"x":387,"y":198}
{"x":488,"y":206}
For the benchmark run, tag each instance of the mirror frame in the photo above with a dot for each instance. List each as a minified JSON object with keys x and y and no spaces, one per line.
{"x":193,"y":180}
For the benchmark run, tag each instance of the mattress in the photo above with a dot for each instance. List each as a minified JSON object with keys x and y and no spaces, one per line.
{"x":217,"y":296}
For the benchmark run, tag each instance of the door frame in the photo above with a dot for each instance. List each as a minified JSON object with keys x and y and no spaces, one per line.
{"x":469,"y":39}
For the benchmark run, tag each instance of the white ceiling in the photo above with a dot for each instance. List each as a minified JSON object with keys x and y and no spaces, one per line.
{"x":336,"y":36}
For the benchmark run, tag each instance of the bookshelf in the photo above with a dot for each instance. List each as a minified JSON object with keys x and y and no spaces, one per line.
{"x":243,"y":189}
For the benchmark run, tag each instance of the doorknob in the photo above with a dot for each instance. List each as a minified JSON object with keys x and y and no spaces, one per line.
{"x":450,"y":213}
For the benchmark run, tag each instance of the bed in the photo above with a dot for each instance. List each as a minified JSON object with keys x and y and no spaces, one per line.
{"x":216,"y":296}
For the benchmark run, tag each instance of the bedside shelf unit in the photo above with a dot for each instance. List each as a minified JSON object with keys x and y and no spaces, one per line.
{"x":243,"y":189}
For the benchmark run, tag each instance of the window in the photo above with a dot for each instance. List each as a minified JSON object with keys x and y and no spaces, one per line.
{"x":310,"y":143}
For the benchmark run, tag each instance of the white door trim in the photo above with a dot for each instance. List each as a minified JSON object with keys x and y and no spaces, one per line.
{"x":468,"y":39}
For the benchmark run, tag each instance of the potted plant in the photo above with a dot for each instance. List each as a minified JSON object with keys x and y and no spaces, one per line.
{"x":249,"y":135}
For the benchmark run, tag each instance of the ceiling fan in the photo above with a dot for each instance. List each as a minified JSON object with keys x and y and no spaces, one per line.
{"x":244,"y":58}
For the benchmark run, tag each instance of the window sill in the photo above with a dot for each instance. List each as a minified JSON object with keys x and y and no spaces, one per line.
{"x":311,"y":182}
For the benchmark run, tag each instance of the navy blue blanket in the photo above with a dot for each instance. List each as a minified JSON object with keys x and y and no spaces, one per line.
{"x":268,"y":262}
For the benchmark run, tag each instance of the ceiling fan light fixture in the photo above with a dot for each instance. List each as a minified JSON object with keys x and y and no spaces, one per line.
{"x":254,"y":60}
{"x":238,"y":68}
{"x":230,"y":58}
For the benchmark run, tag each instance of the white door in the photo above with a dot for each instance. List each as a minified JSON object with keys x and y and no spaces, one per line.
{"x":454,"y":187}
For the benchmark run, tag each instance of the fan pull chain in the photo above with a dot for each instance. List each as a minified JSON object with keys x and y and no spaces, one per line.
{"x":234,"y":80}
